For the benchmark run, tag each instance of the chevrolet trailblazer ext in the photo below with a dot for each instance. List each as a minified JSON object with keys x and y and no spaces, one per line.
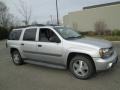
{"x":61,"y":47}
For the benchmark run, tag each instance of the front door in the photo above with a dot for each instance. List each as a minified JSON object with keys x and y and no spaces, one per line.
{"x":49,"y":52}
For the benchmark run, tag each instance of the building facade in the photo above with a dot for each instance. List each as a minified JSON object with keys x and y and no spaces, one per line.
{"x":86,"y":20}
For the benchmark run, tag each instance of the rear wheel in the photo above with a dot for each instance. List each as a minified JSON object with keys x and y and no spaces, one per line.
{"x":82,"y":67}
{"x":16,"y":58}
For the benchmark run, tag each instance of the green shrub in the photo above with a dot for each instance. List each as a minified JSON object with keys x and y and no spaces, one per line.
{"x":91,"y":33}
{"x":112,"y":38}
{"x":83,"y":33}
{"x":88,"y":33}
{"x":116,"y":32}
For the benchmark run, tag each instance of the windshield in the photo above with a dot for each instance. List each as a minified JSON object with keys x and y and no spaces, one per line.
{"x":67,"y":33}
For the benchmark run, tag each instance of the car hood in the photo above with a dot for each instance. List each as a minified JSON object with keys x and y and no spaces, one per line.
{"x":101,"y":43}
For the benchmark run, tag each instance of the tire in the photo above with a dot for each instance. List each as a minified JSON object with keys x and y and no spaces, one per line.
{"x":16,"y":58}
{"x":82,"y":67}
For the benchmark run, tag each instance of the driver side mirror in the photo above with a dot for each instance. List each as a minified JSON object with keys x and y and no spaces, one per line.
{"x":55,"y":39}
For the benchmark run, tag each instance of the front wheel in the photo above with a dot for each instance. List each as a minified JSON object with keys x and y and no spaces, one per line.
{"x":82,"y":67}
{"x":16,"y":58}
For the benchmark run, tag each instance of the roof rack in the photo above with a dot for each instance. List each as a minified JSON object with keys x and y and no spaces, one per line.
{"x":29,"y":26}
{"x":35,"y":25}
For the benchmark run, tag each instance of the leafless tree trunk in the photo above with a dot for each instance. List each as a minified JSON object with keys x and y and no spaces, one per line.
{"x":25,"y":12}
{"x":100,"y":27}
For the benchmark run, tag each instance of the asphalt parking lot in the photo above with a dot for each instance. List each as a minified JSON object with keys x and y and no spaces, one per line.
{"x":32,"y":77}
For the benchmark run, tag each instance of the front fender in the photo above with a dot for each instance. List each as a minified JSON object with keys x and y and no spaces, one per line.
{"x":90,"y":52}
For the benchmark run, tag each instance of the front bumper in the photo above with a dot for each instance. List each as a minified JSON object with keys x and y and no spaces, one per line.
{"x":104,"y":64}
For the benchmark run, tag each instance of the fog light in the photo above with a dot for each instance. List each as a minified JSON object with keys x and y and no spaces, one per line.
{"x":110,"y":65}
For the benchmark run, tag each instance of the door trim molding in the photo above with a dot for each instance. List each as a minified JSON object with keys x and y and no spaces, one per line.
{"x":50,"y":54}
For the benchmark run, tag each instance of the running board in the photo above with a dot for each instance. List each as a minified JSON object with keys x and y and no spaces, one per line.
{"x":45,"y":64}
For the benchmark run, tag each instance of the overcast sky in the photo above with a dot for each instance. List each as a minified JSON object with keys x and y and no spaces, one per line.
{"x":42,"y":9}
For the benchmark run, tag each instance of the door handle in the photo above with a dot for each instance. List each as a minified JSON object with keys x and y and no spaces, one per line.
{"x":39,"y":45}
{"x":22,"y":44}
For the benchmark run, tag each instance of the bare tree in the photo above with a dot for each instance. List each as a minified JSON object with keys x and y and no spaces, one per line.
{"x":14,"y":21}
{"x":3,"y":8}
{"x":25,"y":12}
{"x":3,"y":15}
{"x":52,"y":21}
{"x":7,"y":20}
{"x":34,"y":23}
{"x":100,"y":27}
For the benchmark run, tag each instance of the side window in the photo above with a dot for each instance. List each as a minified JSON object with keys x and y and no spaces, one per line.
{"x":45,"y":35}
{"x":30,"y":35}
{"x":15,"y":35}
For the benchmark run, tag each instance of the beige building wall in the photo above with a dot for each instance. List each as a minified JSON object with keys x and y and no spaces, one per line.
{"x":85,"y":20}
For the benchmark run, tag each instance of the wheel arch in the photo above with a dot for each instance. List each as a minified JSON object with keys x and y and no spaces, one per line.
{"x":13,"y":49}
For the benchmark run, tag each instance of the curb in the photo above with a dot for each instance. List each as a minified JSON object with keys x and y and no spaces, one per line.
{"x":115,"y":41}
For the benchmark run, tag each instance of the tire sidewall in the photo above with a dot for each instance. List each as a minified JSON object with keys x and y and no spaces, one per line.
{"x":20,"y":59}
{"x":89,"y":64}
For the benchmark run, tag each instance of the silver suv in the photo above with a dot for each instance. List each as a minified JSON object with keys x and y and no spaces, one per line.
{"x":61,"y":47}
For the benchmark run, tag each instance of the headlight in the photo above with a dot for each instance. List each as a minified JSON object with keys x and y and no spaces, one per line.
{"x":106,"y":52}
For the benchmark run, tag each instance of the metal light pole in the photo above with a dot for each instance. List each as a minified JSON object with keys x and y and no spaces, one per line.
{"x":57,"y":12}
{"x":51,"y":18}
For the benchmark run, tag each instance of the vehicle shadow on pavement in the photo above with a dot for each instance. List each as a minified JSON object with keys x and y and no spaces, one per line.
{"x":101,"y":74}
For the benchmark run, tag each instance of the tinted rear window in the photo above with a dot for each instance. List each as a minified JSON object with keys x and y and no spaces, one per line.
{"x":15,"y":35}
{"x":30,"y":35}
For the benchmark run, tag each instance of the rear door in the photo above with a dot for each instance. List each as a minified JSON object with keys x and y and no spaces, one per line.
{"x":28,"y":45}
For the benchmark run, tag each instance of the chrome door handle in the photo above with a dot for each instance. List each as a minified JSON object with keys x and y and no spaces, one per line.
{"x":22,"y":44}
{"x":39,"y":45}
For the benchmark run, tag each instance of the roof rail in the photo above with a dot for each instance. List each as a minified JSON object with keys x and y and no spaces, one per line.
{"x":35,"y":25}
{"x":29,"y":26}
